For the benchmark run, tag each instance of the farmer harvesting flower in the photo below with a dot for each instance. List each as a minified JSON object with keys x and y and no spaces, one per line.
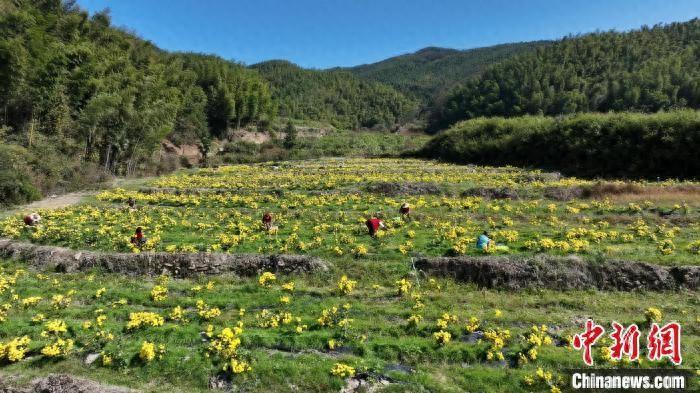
{"x":138,"y":240}
{"x":374,"y":224}
{"x":486,"y":244}
{"x":405,"y":210}
{"x":267,"y":220}
{"x":32,"y":219}
{"x":483,"y":242}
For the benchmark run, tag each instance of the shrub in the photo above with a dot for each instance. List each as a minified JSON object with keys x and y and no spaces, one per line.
{"x":15,"y":184}
{"x":632,"y":145}
{"x":290,"y":138}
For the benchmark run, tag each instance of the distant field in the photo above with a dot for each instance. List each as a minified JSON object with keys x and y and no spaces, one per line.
{"x":392,"y":327}
{"x":317,"y":143}
{"x":320,"y":207}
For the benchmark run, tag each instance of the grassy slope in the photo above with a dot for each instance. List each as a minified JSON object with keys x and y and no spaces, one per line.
{"x":282,"y":359}
{"x":320,"y":209}
{"x":357,"y":144}
{"x":594,"y":145}
{"x":333,"y":143}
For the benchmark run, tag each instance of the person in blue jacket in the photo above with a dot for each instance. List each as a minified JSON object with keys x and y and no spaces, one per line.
{"x":483,"y":242}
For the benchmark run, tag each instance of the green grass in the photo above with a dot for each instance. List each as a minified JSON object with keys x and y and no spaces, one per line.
{"x":334,"y":143}
{"x":303,"y":196}
{"x":357,"y":144}
{"x":280,"y":357}
{"x":320,"y":208}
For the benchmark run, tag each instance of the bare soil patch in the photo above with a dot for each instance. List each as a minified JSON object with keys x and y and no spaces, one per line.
{"x":405,"y":188}
{"x":58,"y":201}
{"x":62,"y":383}
{"x":632,"y":192}
{"x":492,"y":193}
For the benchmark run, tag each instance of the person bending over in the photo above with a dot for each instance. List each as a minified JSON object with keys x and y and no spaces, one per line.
{"x":483,"y":242}
{"x":267,"y":221}
{"x":374,"y":224}
{"x":32,"y":219}
{"x":405,"y":211}
{"x":138,"y":240}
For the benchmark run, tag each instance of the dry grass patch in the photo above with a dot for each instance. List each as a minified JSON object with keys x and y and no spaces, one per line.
{"x":634,"y":192}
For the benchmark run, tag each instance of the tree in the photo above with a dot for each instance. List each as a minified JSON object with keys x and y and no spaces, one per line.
{"x":290,"y":138}
{"x":645,"y":70}
{"x":15,"y":184}
{"x":333,"y":96}
{"x":78,"y":93}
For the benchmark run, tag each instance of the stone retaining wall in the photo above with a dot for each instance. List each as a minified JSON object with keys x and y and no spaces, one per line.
{"x":62,"y":383}
{"x":561,"y":273}
{"x":155,"y":263}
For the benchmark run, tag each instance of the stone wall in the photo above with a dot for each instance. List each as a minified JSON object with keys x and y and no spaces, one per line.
{"x":61,"y":383}
{"x":561,"y":273}
{"x":156,"y":263}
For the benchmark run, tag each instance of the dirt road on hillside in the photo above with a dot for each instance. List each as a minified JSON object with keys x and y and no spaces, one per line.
{"x":58,"y":201}
{"x":50,"y":202}
{"x":73,"y":198}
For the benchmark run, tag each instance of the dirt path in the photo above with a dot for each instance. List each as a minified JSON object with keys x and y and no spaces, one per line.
{"x":58,"y":201}
{"x":50,"y":202}
{"x":73,"y":198}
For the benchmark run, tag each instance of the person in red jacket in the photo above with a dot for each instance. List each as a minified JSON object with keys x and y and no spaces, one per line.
{"x":374,"y":224}
{"x":138,"y":240}
{"x":267,"y":221}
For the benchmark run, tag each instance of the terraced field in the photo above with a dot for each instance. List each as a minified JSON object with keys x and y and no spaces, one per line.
{"x":320,"y":208}
{"x":371,"y":319}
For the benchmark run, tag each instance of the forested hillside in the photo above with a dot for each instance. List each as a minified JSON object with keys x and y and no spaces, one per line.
{"x":607,"y":145}
{"x":333,"y":96}
{"x":79,"y":98}
{"x":233,"y":96}
{"x":647,"y":70}
{"x":428,"y":72}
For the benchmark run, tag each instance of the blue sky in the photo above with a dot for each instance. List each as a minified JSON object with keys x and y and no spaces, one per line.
{"x":327,"y":33}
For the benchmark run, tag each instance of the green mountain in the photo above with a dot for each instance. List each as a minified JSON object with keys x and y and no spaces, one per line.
{"x":337,"y":97}
{"x":650,"y":69}
{"x":382,"y":94}
{"x":428,"y":72}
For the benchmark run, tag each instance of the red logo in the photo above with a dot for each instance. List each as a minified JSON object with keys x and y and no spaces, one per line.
{"x":662,"y":342}
{"x":586,"y":340}
{"x":665,"y":342}
{"x":626,"y":341}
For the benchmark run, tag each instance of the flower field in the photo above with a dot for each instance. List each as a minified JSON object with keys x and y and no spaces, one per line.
{"x":320,"y":207}
{"x":370,"y":316}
